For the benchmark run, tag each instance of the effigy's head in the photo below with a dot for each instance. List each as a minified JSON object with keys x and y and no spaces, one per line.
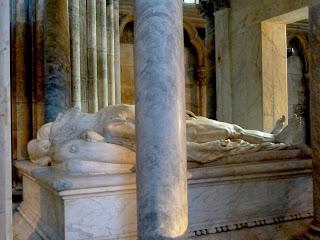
{"x":38,"y":149}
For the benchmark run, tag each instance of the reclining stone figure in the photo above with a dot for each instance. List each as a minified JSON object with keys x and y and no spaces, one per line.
{"x":104,"y":142}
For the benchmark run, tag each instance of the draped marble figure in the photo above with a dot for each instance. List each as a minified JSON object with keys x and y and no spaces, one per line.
{"x":104,"y":142}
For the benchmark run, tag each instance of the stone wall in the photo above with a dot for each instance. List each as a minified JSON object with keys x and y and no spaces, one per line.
{"x":245,"y":20}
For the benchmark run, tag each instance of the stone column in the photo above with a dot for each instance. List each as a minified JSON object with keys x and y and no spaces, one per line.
{"x":211,"y":71}
{"x":314,"y":41}
{"x":5,"y":124}
{"x":74,"y":19}
{"x":102,"y":56}
{"x":117,"y":52}
{"x":21,"y":78}
{"x":202,"y":94}
{"x":57,"y":85}
{"x":111,"y":63}
{"x":223,"y":65}
{"x":207,"y":9}
{"x":92,"y":57}
{"x":36,"y":21}
{"x":160,"y":120}
{"x":83,"y":55}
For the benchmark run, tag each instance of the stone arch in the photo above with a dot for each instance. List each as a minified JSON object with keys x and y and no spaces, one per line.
{"x":196,"y":42}
{"x":123,"y":22}
{"x":298,"y":83}
{"x":191,"y":30}
{"x":302,"y":38}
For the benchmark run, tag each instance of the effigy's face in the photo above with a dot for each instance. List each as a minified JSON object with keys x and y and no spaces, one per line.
{"x":38,"y":148}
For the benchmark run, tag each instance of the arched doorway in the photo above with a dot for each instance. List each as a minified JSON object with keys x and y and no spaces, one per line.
{"x":298,"y":84}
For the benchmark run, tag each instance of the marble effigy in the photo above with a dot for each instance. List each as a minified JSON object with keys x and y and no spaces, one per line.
{"x":104,"y":143}
{"x":237,"y":178}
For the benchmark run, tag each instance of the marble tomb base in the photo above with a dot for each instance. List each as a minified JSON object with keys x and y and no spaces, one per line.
{"x":222,"y":198}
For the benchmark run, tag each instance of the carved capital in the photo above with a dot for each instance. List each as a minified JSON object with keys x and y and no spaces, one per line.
{"x":208,"y":7}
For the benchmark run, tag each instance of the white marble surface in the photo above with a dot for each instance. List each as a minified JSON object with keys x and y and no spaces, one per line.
{"x":106,"y":215}
{"x":5,"y":124}
{"x":221,"y":199}
{"x":96,"y":212}
{"x":248,"y":204}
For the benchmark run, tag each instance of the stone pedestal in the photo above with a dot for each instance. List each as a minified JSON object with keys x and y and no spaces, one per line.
{"x":221,"y":198}
{"x":65,"y":207}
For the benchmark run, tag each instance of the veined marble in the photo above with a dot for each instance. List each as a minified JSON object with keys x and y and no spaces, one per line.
{"x":221,"y":199}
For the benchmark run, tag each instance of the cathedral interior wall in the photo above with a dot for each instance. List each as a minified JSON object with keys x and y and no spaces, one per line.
{"x":27,"y":70}
{"x":245,"y":46}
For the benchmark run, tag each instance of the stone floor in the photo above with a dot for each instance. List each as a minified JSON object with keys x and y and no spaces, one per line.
{"x":284,"y":231}
{"x":22,"y":230}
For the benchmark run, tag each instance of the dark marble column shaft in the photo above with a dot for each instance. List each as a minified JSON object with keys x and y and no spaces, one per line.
{"x":36,"y":21}
{"x":74,"y":18}
{"x":160,"y":120}
{"x":210,"y":66}
{"x":111,"y":64}
{"x":21,"y":71}
{"x":5,"y":124}
{"x":102,"y":53}
{"x":92,"y":56}
{"x":57,"y":85}
{"x":117,"y":52}
{"x":83,"y":55}
{"x":314,"y":41}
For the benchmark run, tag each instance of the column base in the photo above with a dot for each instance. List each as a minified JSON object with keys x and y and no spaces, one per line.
{"x":312,"y":234}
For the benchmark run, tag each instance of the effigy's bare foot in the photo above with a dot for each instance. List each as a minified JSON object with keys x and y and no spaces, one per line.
{"x":279,"y":125}
{"x":289,"y":134}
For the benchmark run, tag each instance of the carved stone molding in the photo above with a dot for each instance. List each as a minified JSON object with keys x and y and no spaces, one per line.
{"x":251,"y":224}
